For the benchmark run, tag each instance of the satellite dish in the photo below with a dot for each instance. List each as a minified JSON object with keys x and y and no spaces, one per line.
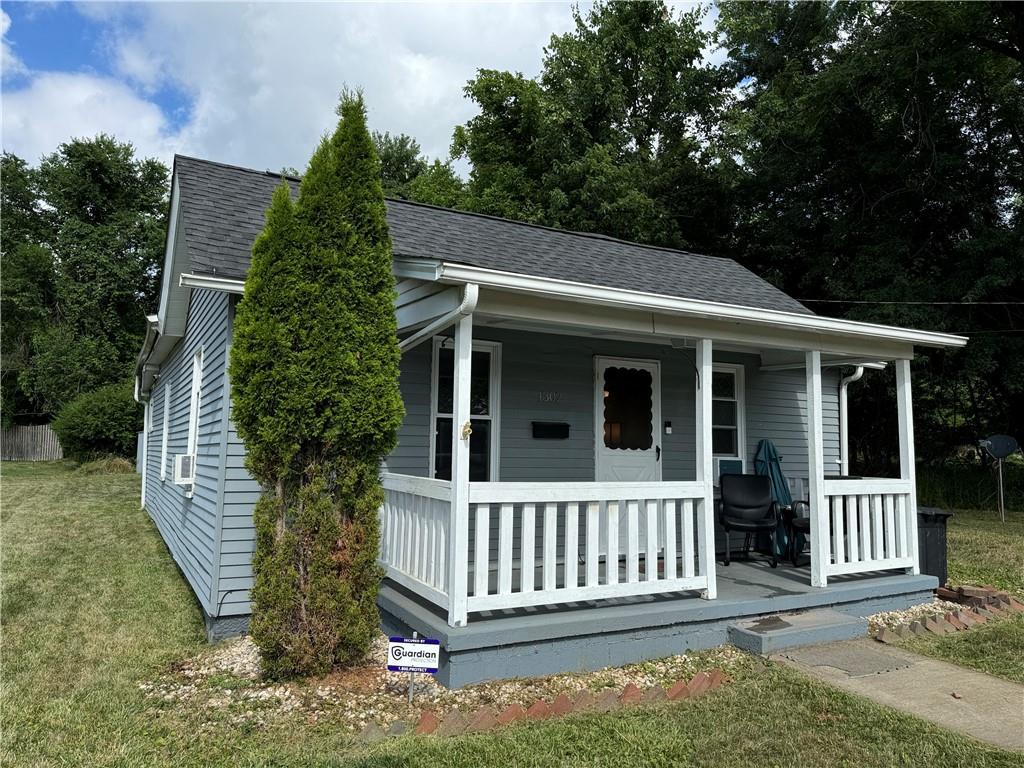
{"x":999,"y":447}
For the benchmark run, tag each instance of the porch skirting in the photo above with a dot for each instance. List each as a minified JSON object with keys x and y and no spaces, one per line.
{"x":582,"y":637}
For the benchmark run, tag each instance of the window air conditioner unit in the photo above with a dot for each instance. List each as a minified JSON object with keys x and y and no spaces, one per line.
{"x":184,"y":469}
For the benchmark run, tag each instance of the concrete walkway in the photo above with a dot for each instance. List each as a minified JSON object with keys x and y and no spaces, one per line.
{"x":985,"y":707}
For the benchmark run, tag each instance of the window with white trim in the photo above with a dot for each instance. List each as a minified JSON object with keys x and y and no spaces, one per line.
{"x":164,"y":431}
{"x":484,"y":409}
{"x":727,"y":417}
{"x":195,"y":401}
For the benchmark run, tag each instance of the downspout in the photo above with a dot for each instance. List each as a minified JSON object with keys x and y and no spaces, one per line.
{"x":470,"y":294}
{"x":844,"y":421}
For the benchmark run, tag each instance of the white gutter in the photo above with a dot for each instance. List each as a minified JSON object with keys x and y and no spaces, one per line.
{"x":566,"y":289}
{"x":210,"y":283}
{"x":470,"y":294}
{"x":844,"y":420}
{"x":877,"y":365}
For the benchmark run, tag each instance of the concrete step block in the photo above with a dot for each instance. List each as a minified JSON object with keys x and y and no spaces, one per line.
{"x":766,"y":635}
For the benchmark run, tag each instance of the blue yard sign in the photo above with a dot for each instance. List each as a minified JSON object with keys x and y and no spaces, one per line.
{"x":416,"y":654}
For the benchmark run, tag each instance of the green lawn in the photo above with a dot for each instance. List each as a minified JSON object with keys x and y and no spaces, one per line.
{"x":92,"y":605}
{"x":984,"y":550}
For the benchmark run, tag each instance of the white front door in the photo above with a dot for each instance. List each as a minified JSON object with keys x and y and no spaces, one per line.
{"x":627,"y":419}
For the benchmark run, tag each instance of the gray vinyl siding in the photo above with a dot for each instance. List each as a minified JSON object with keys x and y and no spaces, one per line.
{"x":190,"y":526}
{"x":238,"y":537}
{"x":775,"y":408}
{"x":412,"y":454}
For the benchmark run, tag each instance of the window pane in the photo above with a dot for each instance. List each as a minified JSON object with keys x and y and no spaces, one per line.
{"x":723,"y":384}
{"x":443,"y":450}
{"x":480,"y":382}
{"x":723,"y":413}
{"x":628,"y":408}
{"x":723,"y":441}
{"x":479,"y":451}
{"x":445,"y":379}
{"x":480,"y":386}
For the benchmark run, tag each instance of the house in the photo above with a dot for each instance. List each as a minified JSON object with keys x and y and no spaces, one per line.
{"x":571,"y":401}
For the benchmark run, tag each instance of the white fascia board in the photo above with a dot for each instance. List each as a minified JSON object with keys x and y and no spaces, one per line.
{"x":211,"y":283}
{"x":169,"y":249}
{"x":566,"y":289}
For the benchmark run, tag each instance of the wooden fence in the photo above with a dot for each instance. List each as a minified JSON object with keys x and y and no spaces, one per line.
{"x":33,"y":443}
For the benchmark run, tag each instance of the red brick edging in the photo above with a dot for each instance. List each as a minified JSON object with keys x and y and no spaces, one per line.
{"x":980,"y":604}
{"x":486,"y":718}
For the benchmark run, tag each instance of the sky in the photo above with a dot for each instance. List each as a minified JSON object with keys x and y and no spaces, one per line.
{"x":252,"y":84}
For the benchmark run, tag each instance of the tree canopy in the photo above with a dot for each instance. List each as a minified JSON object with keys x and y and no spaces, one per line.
{"x":613,"y":137}
{"x":82,"y":245}
{"x":881,"y":180}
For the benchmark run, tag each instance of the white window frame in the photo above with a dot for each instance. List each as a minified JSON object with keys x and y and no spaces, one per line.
{"x":741,"y":416}
{"x":195,"y":402}
{"x":494,"y":348}
{"x":165,"y":429}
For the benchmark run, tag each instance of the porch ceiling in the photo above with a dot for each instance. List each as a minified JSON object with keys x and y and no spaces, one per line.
{"x":776,"y":344}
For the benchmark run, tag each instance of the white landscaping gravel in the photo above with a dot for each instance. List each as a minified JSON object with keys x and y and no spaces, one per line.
{"x":224,"y":684}
{"x":893,"y":619}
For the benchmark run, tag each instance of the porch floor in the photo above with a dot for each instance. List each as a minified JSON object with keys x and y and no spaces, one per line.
{"x":589,"y":635}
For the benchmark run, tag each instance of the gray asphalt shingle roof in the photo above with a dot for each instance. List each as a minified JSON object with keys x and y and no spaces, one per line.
{"x":223,"y":208}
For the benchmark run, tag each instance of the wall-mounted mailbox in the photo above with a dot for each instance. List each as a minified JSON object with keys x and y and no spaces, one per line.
{"x":550,"y":430}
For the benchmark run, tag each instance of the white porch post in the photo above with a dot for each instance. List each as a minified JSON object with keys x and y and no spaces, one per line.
{"x":820,"y":549}
{"x":705,"y":471}
{"x":905,"y":409}
{"x":458,"y":532}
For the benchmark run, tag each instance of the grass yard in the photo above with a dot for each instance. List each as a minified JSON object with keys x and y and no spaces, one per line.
{"x":983,"y":550}
{"x":92,"y":604}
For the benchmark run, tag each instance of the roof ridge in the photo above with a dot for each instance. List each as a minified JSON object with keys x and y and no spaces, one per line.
{"x":560,"y":230}
{"x":487,"y":216}
{"x":204,"y":161}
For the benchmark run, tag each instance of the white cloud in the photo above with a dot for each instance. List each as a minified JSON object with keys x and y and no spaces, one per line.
{"x":262,"y":80}
{"x":10,"y":64}
{"x":55,"y":107}
{"x":265,"y":78}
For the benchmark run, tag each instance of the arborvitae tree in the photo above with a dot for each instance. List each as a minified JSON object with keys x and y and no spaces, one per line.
{"x":314,"y":370}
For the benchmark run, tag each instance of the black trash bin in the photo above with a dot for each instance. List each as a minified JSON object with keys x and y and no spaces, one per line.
{"x":931,"y":541}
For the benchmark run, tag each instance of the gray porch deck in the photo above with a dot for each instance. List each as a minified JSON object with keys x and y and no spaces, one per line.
{"x":530,"y":642}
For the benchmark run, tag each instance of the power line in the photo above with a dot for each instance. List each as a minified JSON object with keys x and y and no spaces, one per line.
{"x":928,"y":303}
{"x":997,"y":332}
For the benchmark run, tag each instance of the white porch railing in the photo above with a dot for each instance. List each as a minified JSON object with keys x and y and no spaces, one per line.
{"x":415,"y":525}
{"x":873,"y":525}
{"x":547,"y":543}
{"x":563,"y":542}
